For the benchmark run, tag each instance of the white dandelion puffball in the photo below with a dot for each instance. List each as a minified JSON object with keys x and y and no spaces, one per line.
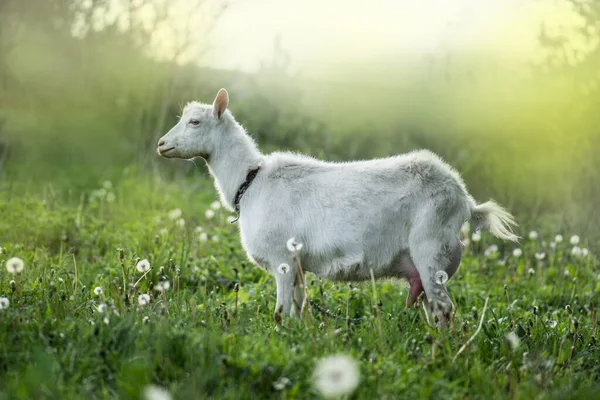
{"x":98,"y":290}
{"x":552,"y":245}
{"x":441,"y":277}
{"x":584,"y":252}
{"x":552,"y":324}
{"x":576,"y":251}
{"x":540,"y":256}
{"x":146,"y":319}
{"x":143,"y":299}
{"x":110,"y":197}
{"x":203,"y":237}
{"x":102,"y":308}
{"x":15,"y":265}
{"x":181,"y":223}
{"x":215,"y":238}
{"x":574,"y":240}
{"x":293,"y":245}
{"x":476,"y":236}
{"x":513,"y":340}
{"x":490,"y":251}
{"x":209,"y":214}
{"x":198,"y":229}
{"x":283,"y":268}
{"x":156,"y":393}
{"x":531,"y":271}
{"x":215,"y":205}
{"x":143,"y":266}
{"x":517,"y":253}
{"x":162,"y":286}
{"x":4,"y":302}
{"x":465,"y":229}
{"x":533,"y":235}
{"x":106,"y":321}
{"x":558,"y":238}
{"x":336,"y":376}
{"x":174,"y":214}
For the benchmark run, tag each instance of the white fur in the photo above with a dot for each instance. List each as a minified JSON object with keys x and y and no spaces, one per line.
{"x":389,"y":215}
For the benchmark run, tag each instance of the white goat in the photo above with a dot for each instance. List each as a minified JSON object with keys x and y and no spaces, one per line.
{"x":398,"y":216}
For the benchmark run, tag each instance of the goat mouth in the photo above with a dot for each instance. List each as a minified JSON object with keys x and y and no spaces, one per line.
{"x":165,"y":151}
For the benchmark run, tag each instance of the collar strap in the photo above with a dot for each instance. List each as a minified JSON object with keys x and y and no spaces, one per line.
{"x":238,"y":196}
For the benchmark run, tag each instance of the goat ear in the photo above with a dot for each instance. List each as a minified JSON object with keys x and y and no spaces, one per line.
{"x":220,"y":103}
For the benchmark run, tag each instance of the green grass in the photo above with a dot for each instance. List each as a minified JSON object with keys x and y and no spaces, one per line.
{"x":205,"y":340}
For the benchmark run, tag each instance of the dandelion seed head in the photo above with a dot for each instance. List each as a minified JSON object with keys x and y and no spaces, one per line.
{"x":283,"y":268}
{"x":517,"y":253}
{"x":61,"y":280}
{"x":576,"y":251}
{"x":490,"y":251}
{"x":336,"y":376}
{"x":584,"y":252}
{"x":162,"y":286}
{"x":513,"y":340}
{"x":465,"y":229}
{"x":15,"y":265}
{"x":294,"y":246}
{"x":203,"y":237}
{"x":198,"y":229}
{"x":106,"y":321}
{"x":98,"y":290}
{"x":102,"y":308}
{"x":143,"y":266}
{"x":574,"y":240}
{"x":153,"y":392}
{"x":146,"y":319}
{"x":567,"y":273}
{"x":215,"y":205}
{"x":441,"y":277}
{"x":209,"y":214}
{"x":180,"y":223}
{"x":558,"y":238}
{"x":531,"y":271}
{"x":174,"y":214}
{"x":552,"y":324}
{"x":533,"y":235}
{"x":540,"y":256}
{"x":143,"y":299}
{"x":476,"y":237}
{"x":281,"y":383}
{"x":552,"y":245}
{"x":215,"y":238}
{"x":4,"y":302}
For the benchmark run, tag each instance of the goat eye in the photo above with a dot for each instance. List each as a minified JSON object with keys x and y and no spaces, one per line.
{"x":194,"y":122}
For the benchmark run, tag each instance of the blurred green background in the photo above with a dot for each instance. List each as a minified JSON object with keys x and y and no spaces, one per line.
{"x":511,"y":101}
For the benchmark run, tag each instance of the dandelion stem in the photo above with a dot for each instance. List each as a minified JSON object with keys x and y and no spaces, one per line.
{"x":509,"y":306}
{"x":141,"y":277}
{"x":464,"y":346}
{"x":76,"y":275}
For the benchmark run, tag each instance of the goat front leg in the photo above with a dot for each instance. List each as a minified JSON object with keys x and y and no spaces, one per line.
{"x":285,"y":276}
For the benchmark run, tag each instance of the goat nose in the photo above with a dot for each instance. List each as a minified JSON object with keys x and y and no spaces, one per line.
{"x":161,"y":143}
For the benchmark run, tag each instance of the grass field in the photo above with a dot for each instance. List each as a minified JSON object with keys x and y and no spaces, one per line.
{"x":212,"y":334}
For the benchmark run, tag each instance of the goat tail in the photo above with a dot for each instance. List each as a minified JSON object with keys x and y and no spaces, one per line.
{"x":492,"y":217}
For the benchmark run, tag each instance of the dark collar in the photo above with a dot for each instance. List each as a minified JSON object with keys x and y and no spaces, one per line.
{"x":238,"y":196}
